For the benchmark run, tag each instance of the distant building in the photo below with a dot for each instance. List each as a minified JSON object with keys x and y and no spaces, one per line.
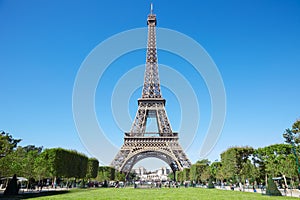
{"x":158,"y":175}
{"x":140,"y":171}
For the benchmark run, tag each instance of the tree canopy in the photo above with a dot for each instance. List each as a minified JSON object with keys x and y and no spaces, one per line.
{"x":35,"y":163}
{"x":7,"y":143}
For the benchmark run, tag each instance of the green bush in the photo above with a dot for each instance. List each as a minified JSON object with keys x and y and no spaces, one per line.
{"x":272,"y":189}
{"x":210,"y":184}
{"x":82,"y":184}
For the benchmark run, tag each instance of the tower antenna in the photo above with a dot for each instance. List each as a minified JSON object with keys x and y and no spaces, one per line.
{"x":151,"y":8}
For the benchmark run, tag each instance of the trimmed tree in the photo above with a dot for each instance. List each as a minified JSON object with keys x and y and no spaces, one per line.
{"x":186,"y":174}
{"x":106,"y":173}
{"x":233,"y":161}
{"x":179,"y":176}
{"x":92,"y":168}
{"x":210,"y":184}
{"x":272,"y":189}
{"x":64,"y":163}
{"x":197,"y":170}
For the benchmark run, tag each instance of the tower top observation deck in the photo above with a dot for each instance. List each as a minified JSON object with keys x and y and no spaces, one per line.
{"x":151,"y":17}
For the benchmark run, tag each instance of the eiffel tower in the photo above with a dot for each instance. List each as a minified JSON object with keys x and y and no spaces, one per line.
{"x":139,"y":144}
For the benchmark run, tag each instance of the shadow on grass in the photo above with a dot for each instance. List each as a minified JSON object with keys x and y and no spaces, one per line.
{"x":34,"y":195}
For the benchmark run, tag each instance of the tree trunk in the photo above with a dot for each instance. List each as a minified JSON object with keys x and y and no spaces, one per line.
{"x":285,"y":183}
{"x":28,"y":184}
{"x":54,"y":183}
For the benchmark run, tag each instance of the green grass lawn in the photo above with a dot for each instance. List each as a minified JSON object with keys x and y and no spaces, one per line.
{"x":143,"y":194}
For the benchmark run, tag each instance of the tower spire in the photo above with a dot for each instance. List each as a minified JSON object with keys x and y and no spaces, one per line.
{"x":151,"y":88}
{"x":151,"y":8}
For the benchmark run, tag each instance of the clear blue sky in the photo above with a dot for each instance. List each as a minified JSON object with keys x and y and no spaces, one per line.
{"x":255,"y":44}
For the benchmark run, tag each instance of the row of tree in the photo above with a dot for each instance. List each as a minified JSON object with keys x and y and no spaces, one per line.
{"x":246,"y":164}
{"x":34,"y":163}
{"x":59,"y":162}
{"x":238,"y":164}
{"x":106,"y":173}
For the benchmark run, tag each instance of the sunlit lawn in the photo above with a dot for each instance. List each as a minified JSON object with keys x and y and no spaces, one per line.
{"x":163,"y":193}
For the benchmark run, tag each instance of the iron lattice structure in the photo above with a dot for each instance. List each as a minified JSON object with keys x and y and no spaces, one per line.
{"x":139,"y":144}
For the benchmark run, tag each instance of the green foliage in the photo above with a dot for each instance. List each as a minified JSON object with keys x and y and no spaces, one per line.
{"x":197,"y":170}
{"x":179,"y":176}
{"x":228,"y":159}
{"x":203,"y":162}
{"x":171,"y":176}
{"x":65,"y":163}
{"x":292,"y":136}
{"x":12,"y":163}
{"x":272,"y":189}
{"x":28,"y":161}
{"x":7,"y":144}
{"x":92,"y":168}
{"x":82,"y":184}
{"x":120,"y":176}
{"x":210,"y":184}
{"x":276,"y":160}
{"x":106,"y":173}
{"x":233,"y":162}
{"x":221,"y":173}
{"x":41,"y":167}
{"x":296,"y":127}
{"x":214,"y":168}
{"x":186,"y":174}
{"x":20,"y":161}
{"x":80,"y":163}
{"x":205,"y":175}
{"x":30,"y":148}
